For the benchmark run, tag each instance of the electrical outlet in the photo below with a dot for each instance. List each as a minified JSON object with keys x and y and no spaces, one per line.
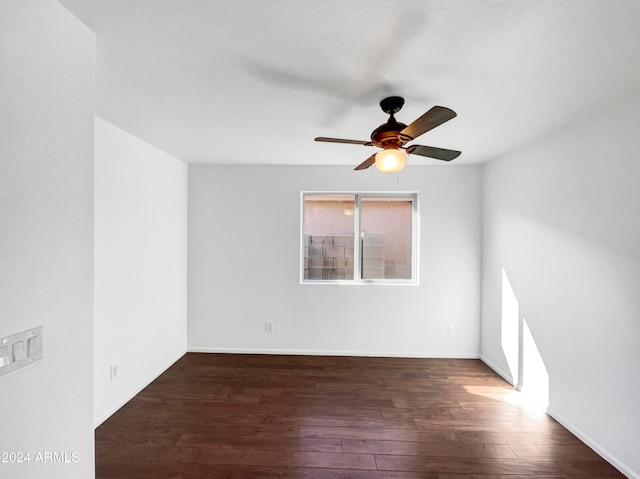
{"x":268,"y":327}
{"x":451,"y":330}
{"x":114,"y":372}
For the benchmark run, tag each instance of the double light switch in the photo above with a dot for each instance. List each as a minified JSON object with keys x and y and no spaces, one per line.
{"x":20,"y":349}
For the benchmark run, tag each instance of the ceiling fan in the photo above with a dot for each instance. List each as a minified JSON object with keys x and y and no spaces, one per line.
{"x":393,"y":135}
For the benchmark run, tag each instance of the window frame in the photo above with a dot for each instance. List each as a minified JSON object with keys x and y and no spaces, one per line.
{"x":357,"y":243}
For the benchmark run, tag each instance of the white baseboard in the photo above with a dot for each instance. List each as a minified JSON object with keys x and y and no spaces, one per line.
{"x":601,"y":451}
{"x":136,"y":390}
{"x":497,"y":370}
{"x":576,"y":431}
{"x":329,"y":352}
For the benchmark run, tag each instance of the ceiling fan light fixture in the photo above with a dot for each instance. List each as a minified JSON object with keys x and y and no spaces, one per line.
{"x":391,"y":160}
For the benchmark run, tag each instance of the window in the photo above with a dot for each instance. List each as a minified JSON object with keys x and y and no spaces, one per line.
{"x":359,"y":237}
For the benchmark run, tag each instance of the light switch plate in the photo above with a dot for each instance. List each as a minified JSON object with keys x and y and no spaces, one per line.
{"x":20,"y":349}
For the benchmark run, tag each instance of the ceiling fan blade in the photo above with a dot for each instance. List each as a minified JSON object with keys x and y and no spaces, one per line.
{"x":434,"y":117}
{"x":341,"y":140}
{"x":432,"y":152}
{"x":366,"y":163}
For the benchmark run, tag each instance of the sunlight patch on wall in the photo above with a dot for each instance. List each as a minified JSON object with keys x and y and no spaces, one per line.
{"x":510,"y":334}
{"x":526,"y":365}
{"x":535,"y":377}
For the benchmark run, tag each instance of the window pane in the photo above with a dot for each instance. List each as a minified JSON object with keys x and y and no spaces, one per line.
{"x":328,"y":236}
{"x":387,"y":233}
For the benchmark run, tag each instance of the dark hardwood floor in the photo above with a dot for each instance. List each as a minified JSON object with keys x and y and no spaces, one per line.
{"x":259,"y":416}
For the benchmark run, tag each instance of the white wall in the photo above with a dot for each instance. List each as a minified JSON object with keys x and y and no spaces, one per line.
{"x":140,"y":265}
{"x":562,"y":220}
{"x":244,"y":260}
{"x":46,"y":234}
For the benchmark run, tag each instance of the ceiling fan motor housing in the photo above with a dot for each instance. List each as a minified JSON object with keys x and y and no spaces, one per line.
{"x":386,"y":135}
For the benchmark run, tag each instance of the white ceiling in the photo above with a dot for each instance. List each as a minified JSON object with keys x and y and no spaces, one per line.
{"x":253,"y":82}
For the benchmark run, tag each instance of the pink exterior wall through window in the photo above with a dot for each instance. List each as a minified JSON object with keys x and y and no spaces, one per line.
{"x":386,"y":224}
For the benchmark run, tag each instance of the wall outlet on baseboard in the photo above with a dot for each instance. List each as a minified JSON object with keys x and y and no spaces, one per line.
{"x":268,"y":327}
{"x":114,"y":372}
{"x":451,"y":330}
